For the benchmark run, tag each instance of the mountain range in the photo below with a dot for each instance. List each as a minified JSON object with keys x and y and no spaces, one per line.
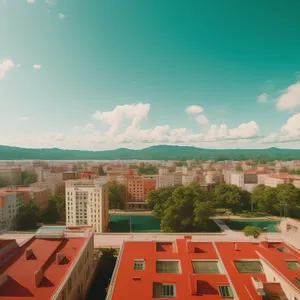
{"x":160,"y":152}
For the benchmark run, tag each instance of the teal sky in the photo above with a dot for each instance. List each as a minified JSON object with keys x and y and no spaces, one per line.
{"x":66,"y":65}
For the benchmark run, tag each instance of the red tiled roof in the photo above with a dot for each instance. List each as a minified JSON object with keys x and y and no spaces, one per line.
{"x":139,"y":284}
{"x":188,"y":285}
{"x":21,"y":279}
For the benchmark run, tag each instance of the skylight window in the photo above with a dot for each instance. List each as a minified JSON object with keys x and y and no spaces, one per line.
{"x":297,"y":280}
{"x":164,"y":290}
{"x":167,"y":266}
{"x":293,"y":265}
{"x":206,"y":267}
{"x":139,"y":265}
{"x":249,"y":266}
{"x":225,"y":291}
{"x":282,"y":249}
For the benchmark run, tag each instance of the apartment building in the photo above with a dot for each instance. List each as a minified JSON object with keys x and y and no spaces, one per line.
{"x":38,"y":195}
{"x":168,"y":180}
{"x":87,"y":203}
{"x":186,"y":269}
{"x":136,"y":190}
{"x":10,"y":203}
{"x":57,"y":265}
{"x":12,"y":175}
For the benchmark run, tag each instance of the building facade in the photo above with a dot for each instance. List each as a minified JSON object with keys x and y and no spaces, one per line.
{"x":11,"y":175}
{"x":185,"y":269}
{"x":87,"y":204}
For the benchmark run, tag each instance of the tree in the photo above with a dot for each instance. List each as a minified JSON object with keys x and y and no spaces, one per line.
{"x":28,"y":178}
{"x":265,"y":198}
{"x":187,"y":210}
{"x":51,"y":215}
{"x":116,"y":193}
{"x":27,"y":216}
{"x":101,"y":171}
{"x":228,"y":196}
{"x":288,"y":198}
{"x":157,"y":200}
{"x":252,"y":231}
{"x":3,"y":183}
{"x":148,"y":170}
{"x":239,"y":168}
{"x":60,"y":201}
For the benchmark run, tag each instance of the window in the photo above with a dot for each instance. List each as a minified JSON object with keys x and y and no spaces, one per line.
{"x":282,"y":249}
{"x":164,"y":290}
{"x":139,"y":265}
{"x":225,"y":291}
{"x":167,"y":266}
{"x":206,"y":267}
{"x":293,"y":265}
{"x":297,"y":280}
{"x":248,"y":266}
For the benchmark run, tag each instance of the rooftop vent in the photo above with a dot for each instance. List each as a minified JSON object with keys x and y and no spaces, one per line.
{"x":29,"y":254}
{"x":60,"y":258}
{"x":38,"y":276}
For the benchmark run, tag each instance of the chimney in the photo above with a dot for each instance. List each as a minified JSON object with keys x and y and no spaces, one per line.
{"x":59,"y":258}
{"x":235,"y":246}
{"x":38,"y":276}
{"x":3,"y":279}
{"x":29,"y":254}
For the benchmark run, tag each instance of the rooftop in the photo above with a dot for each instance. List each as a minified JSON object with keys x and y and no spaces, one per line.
{"x":33,"y":270}
{"x":183,"y":269}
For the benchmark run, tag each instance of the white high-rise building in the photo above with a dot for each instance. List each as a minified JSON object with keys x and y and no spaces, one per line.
{"x":87,"y":203}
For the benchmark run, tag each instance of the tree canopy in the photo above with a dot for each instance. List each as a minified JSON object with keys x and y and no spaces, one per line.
{"x":27,"y":216}
{"x":252,"y":231}
{"x":230,"y":196}
{"x":3,"y":183}
{"x":28,"y":178}
{"x":116,"y":194}
{"x":147,"y":170}
{"x":182,"y":208}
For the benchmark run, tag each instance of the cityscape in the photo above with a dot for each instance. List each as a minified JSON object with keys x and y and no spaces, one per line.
{"x":149,"y":149}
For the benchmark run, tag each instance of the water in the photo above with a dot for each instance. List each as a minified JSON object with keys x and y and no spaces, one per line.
{"x":134,"y":223}
{"x":241,"y":224}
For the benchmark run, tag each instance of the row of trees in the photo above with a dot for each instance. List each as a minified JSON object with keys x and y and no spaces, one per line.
{"x":182,"y":208}
{"x":283,"y":200}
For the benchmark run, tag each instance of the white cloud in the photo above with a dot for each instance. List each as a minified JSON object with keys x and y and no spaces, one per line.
{"x":290,"y":99}
{"x":24,"y":118}
{"x":194,"y":109}
{"x":202,"y":119}
{"x":61,"y":16}
{"x":31,"y":1}
{"x":263,"y":98}
{"x":36,"y":66}
{"x":290,"y":131}
{"x":115,"y":118}
{"x":5,"y":66}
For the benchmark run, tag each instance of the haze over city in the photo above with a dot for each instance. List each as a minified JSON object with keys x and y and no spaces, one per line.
{"x":103,"y":74}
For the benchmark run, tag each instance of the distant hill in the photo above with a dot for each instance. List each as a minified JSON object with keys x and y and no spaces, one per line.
{"x":162,"y":152}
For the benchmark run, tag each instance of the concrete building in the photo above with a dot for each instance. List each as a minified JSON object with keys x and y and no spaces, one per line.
{"x":87,"y":203}
{"x":38,"y":195}
{"x":57,"y":265}
{"x":168,"y":180}
{"x":10,"y":203}
{"x":136,"y":190}
{"x":185,"y":269}
{"x":11,"y":175}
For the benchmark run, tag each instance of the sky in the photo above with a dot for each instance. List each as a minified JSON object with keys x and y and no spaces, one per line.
{"x":105,"y":74}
